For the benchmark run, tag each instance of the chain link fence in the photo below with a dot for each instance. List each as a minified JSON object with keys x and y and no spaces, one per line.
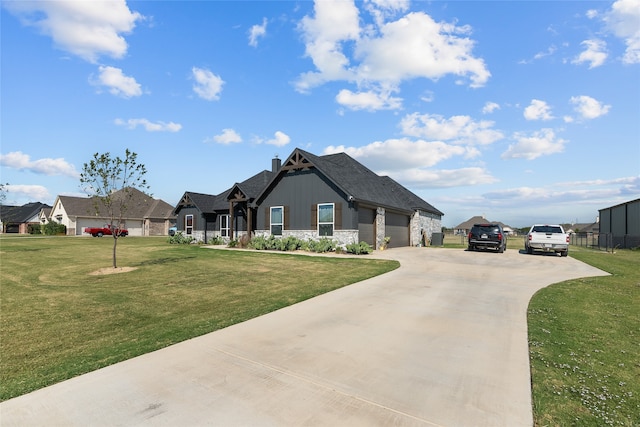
{"x":605,"y":241}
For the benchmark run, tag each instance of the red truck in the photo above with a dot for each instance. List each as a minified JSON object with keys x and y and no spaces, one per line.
{"x":106,"y":230}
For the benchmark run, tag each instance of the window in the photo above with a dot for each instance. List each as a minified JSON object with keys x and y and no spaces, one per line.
{"x":224,"y":225}
{"x":277,"y":219}
{"x":188,"y":224}
{"x":325,"y":219}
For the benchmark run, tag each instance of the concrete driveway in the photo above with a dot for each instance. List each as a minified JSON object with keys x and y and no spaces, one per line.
{"x":441,"y":341}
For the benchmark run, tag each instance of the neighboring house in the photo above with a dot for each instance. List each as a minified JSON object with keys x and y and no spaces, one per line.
{"x":620,"y":225}
{"x":145,"y":216}
{"x":44,"y":215}
{"x":465,"y":227}
{"x":17,"y":219}
{"x":583,"y":228}
{"x":310,"y":197}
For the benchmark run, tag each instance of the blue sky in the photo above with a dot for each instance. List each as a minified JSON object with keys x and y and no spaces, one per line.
{"x":522,"y":111}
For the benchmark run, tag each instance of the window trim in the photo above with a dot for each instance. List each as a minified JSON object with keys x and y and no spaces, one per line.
{"x":333,"y":219}
{"x":188,"y":229}
{"x":271,"y":223}
{"x":225,"y":231}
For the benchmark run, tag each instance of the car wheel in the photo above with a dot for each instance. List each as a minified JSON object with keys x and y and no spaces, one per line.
{"x":565,"y":253}
{"x":529,"y":250}
{"x":99,"y":234}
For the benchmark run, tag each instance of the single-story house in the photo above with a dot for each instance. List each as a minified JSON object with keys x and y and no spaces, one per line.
{"x":583,"y":228}
{"x":464,"y":227}
{"x":310,"y":197}
{"x":17,"y":219}
{"x":145,"y":216}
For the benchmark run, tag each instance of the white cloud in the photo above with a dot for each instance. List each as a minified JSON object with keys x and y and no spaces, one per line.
{"x":588,"y":107}
{"x":624,"y":21}
{"x":443,"y":178}
{"x":118,"y":84}
{"x":416,"y":46}
{"x":88,"y":29}
{"x":595,"y":54}
{"x":148,"y":125}
{"x":377,"y":58}
{"x":383,"y":9}
{"x":208,"y":86}
{"x":47,"y":166}
{"x":335,"y":22}
{"x":28,"y":192}
{"x":280,"y":139}
{"x":538,"y":110}
{"x":369,"y":100}
{"x":591,"y":13}
{"x":529,"y":147}
{"x":409,"y":162}
{"x":600,"y":193}
{"x":399,"y":154}
{"x":256,"y":32}
{"x":490,"y":107}
{"x":228,"y":136}
{"x":458,"y":129}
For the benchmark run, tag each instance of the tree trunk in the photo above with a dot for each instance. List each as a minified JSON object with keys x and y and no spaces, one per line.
{"x":115,"y":243}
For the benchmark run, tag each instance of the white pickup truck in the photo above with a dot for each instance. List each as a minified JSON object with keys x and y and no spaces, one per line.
{"x":547,"y":238}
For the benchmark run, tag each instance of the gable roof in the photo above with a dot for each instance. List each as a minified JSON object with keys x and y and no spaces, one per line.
{"x":141,"y":205}
{"x":479,"y":220}
{"x":21,"y":214}
{"x":469,"y":223}
{"x":355,"y":180}
{"x":251,"y":187}
{"x":203,"y":202}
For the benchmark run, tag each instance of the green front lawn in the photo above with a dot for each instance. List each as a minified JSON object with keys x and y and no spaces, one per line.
{"x":584,"y":345}
{"x":59,"y":320}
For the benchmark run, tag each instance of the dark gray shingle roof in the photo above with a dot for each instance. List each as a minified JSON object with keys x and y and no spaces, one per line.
{"x":20,"y":214}
{"x":364,"y":185}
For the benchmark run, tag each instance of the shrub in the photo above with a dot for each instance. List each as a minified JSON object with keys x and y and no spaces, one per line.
{"x":217,"y":240}
{"x":321,"y":246}
{"x":53,"y":228}
{"x":290,"y":243}
{"x":34,"y":229}
{"x":260,"y":243}
{"x":180,"y":239}
{"x":361,"y":248}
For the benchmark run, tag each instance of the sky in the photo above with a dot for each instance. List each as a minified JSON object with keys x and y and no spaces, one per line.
{"x":522,"y":112}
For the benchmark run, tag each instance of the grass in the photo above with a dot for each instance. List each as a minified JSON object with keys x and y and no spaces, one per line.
{"x":584,"y":345}
{"x":57,"y":320}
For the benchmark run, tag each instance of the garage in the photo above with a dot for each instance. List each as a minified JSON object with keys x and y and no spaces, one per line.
{"x":397,"y":227}
{"x":366,"y":225}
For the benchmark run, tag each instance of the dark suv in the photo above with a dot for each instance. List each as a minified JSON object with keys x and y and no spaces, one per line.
{"x":487,"y":236}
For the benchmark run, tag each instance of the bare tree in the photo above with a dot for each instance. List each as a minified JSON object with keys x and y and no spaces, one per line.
{"x":109,"y":181}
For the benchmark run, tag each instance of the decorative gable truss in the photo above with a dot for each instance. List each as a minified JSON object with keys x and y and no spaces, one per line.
{"x":297,"y":161}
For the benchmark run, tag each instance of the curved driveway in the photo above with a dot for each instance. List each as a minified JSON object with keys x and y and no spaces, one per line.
{"x":441,"y":341}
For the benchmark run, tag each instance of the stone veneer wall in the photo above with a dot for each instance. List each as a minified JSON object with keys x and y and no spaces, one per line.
{"x":424,"y":221}
{"x":380,"y":227}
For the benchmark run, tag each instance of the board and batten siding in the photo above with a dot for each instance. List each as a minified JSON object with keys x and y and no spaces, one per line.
{"x":299,"y":192}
